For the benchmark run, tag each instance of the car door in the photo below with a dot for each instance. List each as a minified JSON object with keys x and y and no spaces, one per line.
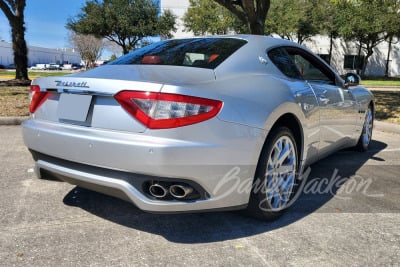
{"x":338,"y":109}
{"x":304,"y":96}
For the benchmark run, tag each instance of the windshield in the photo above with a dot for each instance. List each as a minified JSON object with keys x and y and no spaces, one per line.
{"x":199,"y":52}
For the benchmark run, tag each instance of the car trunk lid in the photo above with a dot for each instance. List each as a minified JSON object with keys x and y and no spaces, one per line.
{"x":85,"y":100}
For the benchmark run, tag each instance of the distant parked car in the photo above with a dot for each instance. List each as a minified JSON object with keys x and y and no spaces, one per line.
{"x":76,"y":66}
{"x":38,"y":67}
{"x":53,"y":66}
{"x":66,"y":67}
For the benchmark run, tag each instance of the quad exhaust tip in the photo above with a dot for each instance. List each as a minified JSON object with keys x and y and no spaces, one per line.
{"x":161,"y":190}
{"x":158,"y":190}
{"x":180,"y":191}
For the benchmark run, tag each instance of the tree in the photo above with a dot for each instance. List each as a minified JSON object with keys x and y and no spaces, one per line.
{"x":250,"y":12}
{"x":362,"y":21}
{"x":325,"y":17}
{"x":208,"y":17}
{"x":113,"y":57}
{"x":124,"y":22}
{"x":89,"y":47}
{"x":281,"y":19}
{"x":292,"y":20}
{"x":165,"y":26}
{"x":113,"y":47}
{"x":14,"y":11}
{"x":392,"y":26}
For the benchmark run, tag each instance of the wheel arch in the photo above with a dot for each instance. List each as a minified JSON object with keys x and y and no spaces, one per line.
{"x":292,"y":122}
{"x":372,"y":104}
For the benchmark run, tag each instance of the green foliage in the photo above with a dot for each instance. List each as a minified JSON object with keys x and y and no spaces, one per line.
{"x":124,"y":22}
{"x":325,"y":17}
{"x":360,"y":20}
{"x":366,"y":22}
{"x":392,"y":26}
{"x":166,"y":24}
{"x":293,"y":19}
{"x":392,"y":18}
{"x":208,"y":17}
{"x":113,"y":57}
{"x":251,"y":13}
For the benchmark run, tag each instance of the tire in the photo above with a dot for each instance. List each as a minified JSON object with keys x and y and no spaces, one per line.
{"x":366,"y":134}
{"x":276,"y":178}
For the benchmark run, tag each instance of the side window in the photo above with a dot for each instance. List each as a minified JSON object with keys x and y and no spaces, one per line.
{"x":310,"y":68}
{"x":284,"y":63}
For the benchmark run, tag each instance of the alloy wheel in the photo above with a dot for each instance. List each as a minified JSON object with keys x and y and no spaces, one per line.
{"x":281,"y":173}
{"x":367,"y":128}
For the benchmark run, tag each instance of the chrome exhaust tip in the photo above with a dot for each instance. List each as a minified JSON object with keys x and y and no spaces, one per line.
{"x":158,"y":191}
{"x":180,"y":191}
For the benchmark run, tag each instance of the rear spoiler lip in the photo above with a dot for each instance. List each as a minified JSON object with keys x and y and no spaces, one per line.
{"x":92,"y":86}
{"x":76,"y":91}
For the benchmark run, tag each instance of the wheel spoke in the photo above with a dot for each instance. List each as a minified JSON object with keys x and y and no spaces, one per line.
{"x":284,"y":154}
{"x":280,"y":173}
{"x":285,"y":168}
{"x":367,"y":127}
{"x":277,"y":151}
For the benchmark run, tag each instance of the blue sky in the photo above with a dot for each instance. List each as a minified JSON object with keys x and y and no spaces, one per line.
{"x":45,"y":22}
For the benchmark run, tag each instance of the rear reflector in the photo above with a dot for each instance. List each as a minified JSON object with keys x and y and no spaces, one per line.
{"x":162,"y":110}
{"x":36,"y":97}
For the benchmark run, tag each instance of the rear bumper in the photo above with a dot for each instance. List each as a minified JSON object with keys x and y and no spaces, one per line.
{"x":118,"y":163}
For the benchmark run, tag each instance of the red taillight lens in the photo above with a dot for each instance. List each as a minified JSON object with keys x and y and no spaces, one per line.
{"x":162,"y":110}
{"x":37,"y":98}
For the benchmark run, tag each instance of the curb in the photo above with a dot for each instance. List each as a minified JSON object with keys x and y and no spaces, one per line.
{"x":13,"y":120}
{"x":379,"y":125}
{"x":383,"y":88}
{"x":372,"y":87}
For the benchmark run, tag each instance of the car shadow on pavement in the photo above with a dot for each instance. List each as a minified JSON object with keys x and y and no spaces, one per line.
{"x":220,"y":226}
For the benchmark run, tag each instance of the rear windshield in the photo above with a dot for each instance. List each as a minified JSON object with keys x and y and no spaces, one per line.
{"x":201,"y":53}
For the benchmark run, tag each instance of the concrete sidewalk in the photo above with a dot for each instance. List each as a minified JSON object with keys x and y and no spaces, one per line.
{"x":383,"y":88}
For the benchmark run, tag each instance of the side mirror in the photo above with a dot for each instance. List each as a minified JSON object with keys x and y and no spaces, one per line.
{"x":352,"y":79}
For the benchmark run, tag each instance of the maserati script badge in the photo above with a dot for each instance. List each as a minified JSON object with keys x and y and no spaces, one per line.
{"x":72,"y":84}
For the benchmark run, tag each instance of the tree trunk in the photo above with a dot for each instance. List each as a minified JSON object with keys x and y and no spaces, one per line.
{"x":20,"y":48}
{"x":256,"y":27}
{"x":364,"y":67}
{"x":330,"y":48}
{"x":250,"y":12}
{"x":125,"y":49}
{"x":365,"y":63}
{"x":358,"y":59}
{"x":390,"y":41}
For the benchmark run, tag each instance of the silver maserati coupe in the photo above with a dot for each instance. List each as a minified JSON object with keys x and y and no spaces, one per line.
{"x":223,"y":122}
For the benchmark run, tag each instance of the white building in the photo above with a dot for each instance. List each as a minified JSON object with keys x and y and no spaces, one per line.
{"x":178,"y":8}
{"x":38,"y":55}
{"x":343,"y":57}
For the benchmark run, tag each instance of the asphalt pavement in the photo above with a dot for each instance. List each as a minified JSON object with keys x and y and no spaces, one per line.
{"x":348,"y":215}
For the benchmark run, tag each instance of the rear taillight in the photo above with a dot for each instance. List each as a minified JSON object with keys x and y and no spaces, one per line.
{"x":162,"y":110}
{"x":36,"y":97}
